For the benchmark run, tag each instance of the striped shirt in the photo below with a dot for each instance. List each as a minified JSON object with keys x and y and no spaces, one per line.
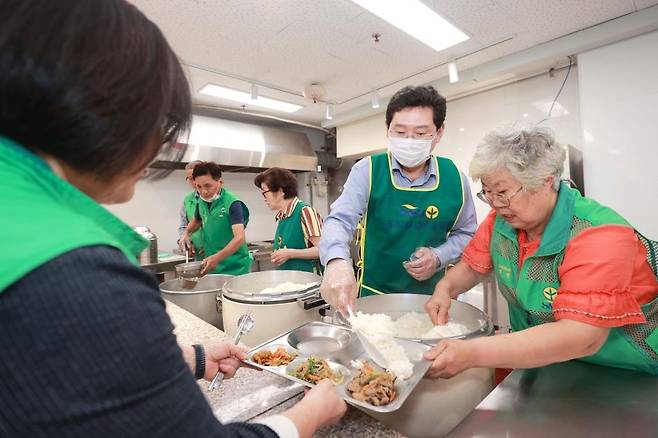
{"x":311,"y":220}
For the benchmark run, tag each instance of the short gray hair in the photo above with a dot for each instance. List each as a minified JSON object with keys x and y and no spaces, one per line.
{"x":192,"y":164}
{"x":530,"y":155}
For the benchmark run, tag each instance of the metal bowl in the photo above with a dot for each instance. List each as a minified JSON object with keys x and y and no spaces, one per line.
{"x":319,"y":339}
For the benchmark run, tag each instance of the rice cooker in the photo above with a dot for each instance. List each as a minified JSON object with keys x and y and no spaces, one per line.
{"x":435,"y":407}
{"x":273,"y":313}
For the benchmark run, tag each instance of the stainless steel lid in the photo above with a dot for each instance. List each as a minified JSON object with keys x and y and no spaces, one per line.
{"x":209,"y":284}
{"x":247,"y":288}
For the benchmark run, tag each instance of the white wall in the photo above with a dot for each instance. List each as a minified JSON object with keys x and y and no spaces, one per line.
{"x":156,"y":205}
{"x":470,"y":118}
{"x":619,"y":101}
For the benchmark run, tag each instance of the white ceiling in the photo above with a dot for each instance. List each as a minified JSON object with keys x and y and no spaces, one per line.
{"x":284,"y":45}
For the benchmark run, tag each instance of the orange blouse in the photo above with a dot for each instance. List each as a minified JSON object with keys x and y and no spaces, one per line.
{"x":604,"y":277}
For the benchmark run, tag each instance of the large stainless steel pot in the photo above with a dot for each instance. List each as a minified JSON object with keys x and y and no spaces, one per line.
{"x":436,"y":406}
{"x":150,"y":254}
{"x":203,"y":300}
{"x":273,"y":313}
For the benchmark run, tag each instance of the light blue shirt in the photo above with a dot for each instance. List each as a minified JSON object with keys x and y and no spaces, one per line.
{"x":346,"y":211}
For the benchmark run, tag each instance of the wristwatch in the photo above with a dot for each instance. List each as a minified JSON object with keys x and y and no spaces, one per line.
{"x":200,"y":355}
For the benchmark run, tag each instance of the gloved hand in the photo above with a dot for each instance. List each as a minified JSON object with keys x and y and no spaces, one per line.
{"x":338,"y":286}
{"x":184,"y":242}
{"x":424,"y":264}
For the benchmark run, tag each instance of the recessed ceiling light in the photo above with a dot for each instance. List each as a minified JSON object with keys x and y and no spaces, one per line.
{"x":416,"y":19}
{"x":246,"y":98}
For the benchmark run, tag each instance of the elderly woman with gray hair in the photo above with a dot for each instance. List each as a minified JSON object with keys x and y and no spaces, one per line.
{"x":580,"y":281}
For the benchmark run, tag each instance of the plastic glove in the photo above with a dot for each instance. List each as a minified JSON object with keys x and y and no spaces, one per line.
{"x":338,"y":286}
{"x":423,"y":264}
{"x":184,"y":242}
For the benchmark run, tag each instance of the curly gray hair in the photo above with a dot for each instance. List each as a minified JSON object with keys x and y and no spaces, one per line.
{"x":530,"y":155}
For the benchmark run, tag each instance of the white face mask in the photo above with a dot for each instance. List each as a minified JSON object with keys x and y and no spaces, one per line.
{"x":211,"y":199}
{"x":410,"y":152}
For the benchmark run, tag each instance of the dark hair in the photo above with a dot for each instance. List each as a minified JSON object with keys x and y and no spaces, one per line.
{"x":277,"y":178}
{"x":409,"y":97}
{"x":207,"y":168}
{"x":92,"y":83}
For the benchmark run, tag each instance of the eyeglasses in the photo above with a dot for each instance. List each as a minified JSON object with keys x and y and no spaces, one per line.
{"x":497,"y":199}
{"x":265,"y":191}
{"x":419,"y":135}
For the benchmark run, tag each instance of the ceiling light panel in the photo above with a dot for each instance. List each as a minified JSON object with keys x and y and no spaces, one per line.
{"x":246,"y":98}
{"x":417,"y":20}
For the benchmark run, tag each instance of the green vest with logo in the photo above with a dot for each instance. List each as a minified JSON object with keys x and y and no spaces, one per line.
{"x":530,"y":291}
{"x":398,"y":220}
{"x":217,"y":233}
{"x":289,"y":234}
{"x":190,"y":202}
{"x":44,"y":216}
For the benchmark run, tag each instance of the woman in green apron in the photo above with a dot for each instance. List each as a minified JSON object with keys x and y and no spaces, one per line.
{"x":224,"y":219}
{"x":90,"y":94}
{"x":579,"y":280}
{"x":297,"y":238}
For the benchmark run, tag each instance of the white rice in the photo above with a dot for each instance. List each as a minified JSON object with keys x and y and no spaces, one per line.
{"x":287,"y":286}
{"x":419,"y":325}
{"x":379,"y":329}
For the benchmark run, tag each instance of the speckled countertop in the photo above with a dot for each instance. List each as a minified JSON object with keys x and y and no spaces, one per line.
{"x":251,"y":394}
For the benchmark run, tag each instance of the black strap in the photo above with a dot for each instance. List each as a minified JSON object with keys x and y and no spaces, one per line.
{"x":200,"y":354}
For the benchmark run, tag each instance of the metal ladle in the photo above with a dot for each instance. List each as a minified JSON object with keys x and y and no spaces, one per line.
{"x":245,"y":324}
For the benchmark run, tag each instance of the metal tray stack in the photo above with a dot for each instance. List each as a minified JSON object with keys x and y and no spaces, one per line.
{"x":341,"y":348}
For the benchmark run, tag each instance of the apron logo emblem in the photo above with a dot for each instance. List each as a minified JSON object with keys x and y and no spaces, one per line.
{"x":280,"y":241}
{"x":432,"y":212}
{"x":550,"y":293}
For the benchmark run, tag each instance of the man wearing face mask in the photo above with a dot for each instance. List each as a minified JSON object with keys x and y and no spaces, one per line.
{"x":223,"y":218}
{"x":187,"y":211}
{"x":416,"y":209}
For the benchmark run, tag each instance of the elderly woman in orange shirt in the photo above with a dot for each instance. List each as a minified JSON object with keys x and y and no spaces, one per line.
{"x":580,"y":281}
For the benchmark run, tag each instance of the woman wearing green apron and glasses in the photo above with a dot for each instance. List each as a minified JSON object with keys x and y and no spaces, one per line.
{"x":187,"y":212}
{"x":90,"y":94}
{"x":579,"y":280}
{"x":298,"y":231}
{"x":412,"y":204}
{"x":223,"y":218}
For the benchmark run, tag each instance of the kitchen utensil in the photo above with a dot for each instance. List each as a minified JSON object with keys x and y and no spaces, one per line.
{"x":245,"y":324}
{"x":283,"y":311}
{"x":203,"y":300}
{"x":343,"y":360}
{"x":371,"y":350}
{"x":187,"y":254}
{"x":189,"y":273}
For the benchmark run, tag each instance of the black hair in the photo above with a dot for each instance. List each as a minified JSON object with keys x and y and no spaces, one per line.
{"x":93,"y":83}
{"x":421,"y":96}
{"x":207,"y":168}
{"x":277,"y":178}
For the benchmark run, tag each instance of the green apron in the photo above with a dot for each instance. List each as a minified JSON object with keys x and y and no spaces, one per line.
{"x":44,"y":216}
{"x":399,"y":220}
{"x":289,"y":234}
{"x":531,"y":291}
{"x":190,"y":202}
{"x":217,"y":233}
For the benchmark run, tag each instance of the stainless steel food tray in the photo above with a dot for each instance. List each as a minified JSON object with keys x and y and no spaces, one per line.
{"x":340,"y":347}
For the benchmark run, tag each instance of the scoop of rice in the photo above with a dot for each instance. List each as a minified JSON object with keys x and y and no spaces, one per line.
{"x":379,"y":329}
{"x":419,"y":325}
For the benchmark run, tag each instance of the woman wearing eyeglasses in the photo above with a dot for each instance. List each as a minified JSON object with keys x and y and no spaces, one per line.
{"x":580,"y":281}
{"x":298,"y":231}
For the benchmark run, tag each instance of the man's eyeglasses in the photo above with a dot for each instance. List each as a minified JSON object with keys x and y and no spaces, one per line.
{"x":415,"y":135}
{"x":497,"y":199}
{"x":265,"y":191}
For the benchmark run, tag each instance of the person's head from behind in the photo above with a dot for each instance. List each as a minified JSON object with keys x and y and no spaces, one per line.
{"x":189,"y":169}
{"x":278,"y":186}
{"x":92,"y":87}
{"x":520,"y":172}
{"x":208,"y":181}
{"x":414,"y":123}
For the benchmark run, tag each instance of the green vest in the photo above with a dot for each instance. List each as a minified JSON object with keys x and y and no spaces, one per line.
{"x":217,"y":233}
{"x":531,"y":291}
{"x":44,"y":216}
{"x":399,"y":220}
{"x":289,"y":234}
{"x":190,"y":202}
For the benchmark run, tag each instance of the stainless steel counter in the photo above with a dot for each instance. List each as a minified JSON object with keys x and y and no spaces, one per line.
{"x":571,"y":399}
{"x":165,"y":263}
